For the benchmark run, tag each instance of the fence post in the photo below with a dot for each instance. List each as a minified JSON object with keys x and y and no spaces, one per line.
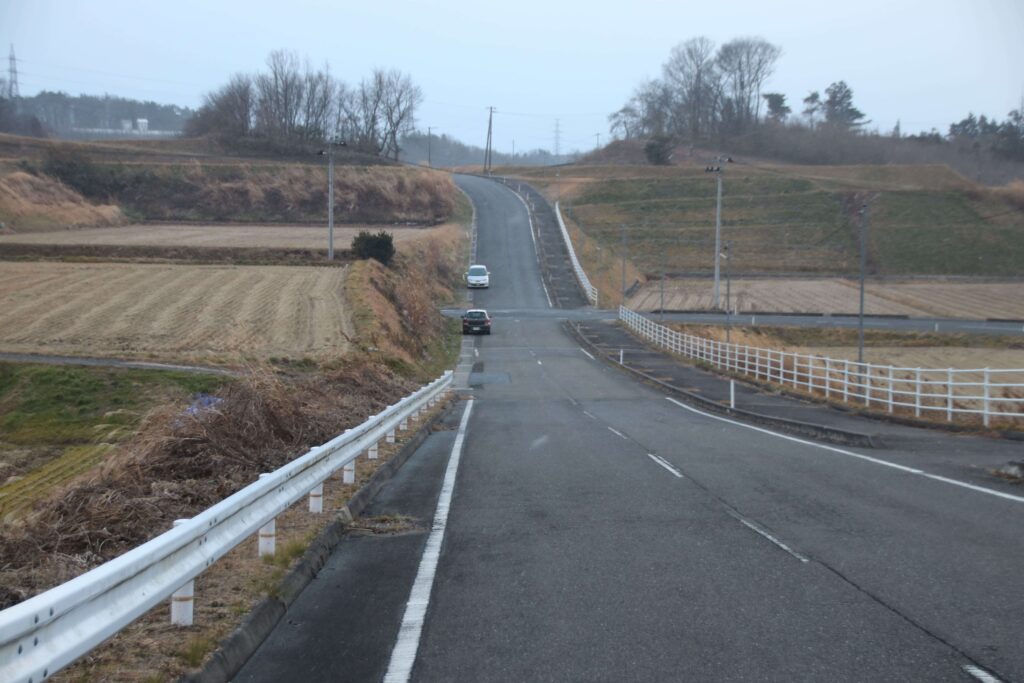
{"x":949,"y":394}
{"x":182,"y":600}
{"x":987,"y":397}
{"x":316,"y":499}
{"x":732,"y":393}
{"x":828,"y":377}
{"x":404,"y":424}
{"x":846,"y":381}
{"x":891,"y":380}
{"x":757,"y":363}
{"x":917,"y":393}
{"x":371,"y":454}
{"x":348,"y":472}
{"x":390,"y":437}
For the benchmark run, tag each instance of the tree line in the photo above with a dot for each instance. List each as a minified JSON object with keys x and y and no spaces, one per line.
{"x":716,"y":95}
{"x":291,"y":102}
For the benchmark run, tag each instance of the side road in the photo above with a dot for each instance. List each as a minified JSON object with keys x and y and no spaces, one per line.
{"x":779,"y":412}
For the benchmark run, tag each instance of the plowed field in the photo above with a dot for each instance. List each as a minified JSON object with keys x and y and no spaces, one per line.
{"x":243,"y":236}
{"x":181,"y":312}
{"x":919,"y":299}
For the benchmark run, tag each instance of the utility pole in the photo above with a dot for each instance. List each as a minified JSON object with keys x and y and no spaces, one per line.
{"x":331,"y":144}
{"x":558,"y":141}
{"x":728,"y":289}
{"x":486,"y":151}
{"x":624,"y":247}
{"x":863,"y":266}
{"x":513,"y":150}
{"x":717,"y":170}
{"x":597,"y":141}
{"x":429,"y":164}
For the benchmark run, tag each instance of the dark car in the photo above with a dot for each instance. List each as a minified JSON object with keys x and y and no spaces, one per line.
{"x":476,"y":321}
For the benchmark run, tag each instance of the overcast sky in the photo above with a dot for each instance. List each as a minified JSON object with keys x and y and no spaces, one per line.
{"x":926,"y":63}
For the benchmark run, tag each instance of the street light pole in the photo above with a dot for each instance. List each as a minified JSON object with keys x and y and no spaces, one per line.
{"x":718,"y":235}
{"x":728,"y":289}
{"x":429,"y":165}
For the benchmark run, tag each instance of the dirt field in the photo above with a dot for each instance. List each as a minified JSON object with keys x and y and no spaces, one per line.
{"x":179,"y":312}
{"x":242,"y":236}
{"x":916,"y":298}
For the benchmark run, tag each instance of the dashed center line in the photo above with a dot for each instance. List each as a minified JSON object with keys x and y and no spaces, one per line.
{"x":615,"y":431}
{"x":980,"y":674}
{"x":586,"y":353}
{"x":761,"y":532}
{"x":589,"y":415}
{"x":664,"y":463}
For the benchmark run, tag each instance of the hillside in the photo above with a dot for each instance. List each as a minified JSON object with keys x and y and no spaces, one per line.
{"x":924,"y":219}
{"x":190,"y":180}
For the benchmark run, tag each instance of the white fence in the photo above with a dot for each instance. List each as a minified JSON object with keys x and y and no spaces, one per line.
{"x":49,"y":631}
{"x":948,"y":392}
{"x":577,"y":267}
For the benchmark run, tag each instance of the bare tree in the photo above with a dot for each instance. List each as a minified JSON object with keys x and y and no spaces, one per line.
{"x":318,"y":104}
{"x":693,"y":75}
{"x":228,"y":111}
{"x":279,"y":96}
{"x":745,"y":64}
{"x":398,"y":107}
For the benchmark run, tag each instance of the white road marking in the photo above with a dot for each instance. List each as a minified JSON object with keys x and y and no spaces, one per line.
{"x":476,"y":352}
{"x":615,"y":431}
{"x":587,"y":354}
{"x":539,"y":363}
{"x":535,"y":251}
{"x":664,"y":463}
{"x":877,"y":461}
{"x":758,"y":530}
{"x":403,"y":656}
{"x":589,"y":415}
{"x":980,"y":674}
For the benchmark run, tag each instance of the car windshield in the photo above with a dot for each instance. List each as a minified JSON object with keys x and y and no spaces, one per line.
{"x":477,"y":315}
{"x":478,"y":271}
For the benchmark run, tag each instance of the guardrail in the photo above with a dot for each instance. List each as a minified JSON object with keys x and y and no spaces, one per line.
{"x":984,"y":392}
{"x":577,"y":267}
{"x":51,"y":630}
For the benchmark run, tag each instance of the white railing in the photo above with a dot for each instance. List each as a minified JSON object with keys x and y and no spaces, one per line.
{"x":49,"y":631}
{"x":985,"y":392}
{"x":577,"y":267}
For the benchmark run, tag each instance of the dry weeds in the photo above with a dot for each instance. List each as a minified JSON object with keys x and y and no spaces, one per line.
{"x":29,"y":203}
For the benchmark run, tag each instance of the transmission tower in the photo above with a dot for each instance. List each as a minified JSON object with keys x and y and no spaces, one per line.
{"x":558,"y":140}
{"x":487,"y":149}
{"x":12,"y":77}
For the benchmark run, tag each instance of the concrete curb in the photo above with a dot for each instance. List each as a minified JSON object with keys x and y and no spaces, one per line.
{"x":236,"y":649}
{"x":806,"y":429}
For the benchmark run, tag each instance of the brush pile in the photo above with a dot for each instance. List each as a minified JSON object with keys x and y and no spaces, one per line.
{"x":182,"y":462}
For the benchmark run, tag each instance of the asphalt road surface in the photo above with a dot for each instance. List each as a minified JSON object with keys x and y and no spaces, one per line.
{"x":598,"y":531}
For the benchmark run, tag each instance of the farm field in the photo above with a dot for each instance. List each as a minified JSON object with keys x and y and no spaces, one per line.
{"x":944,"y":299}
{"x":241,"y":236}
{"x":195,"y":313}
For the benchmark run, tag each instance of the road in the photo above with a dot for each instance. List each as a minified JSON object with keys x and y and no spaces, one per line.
{"x":599,"y":531}
{"x":946,"y":325}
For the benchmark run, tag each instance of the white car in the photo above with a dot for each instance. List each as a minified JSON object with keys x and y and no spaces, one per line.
{"x":478,"y":276}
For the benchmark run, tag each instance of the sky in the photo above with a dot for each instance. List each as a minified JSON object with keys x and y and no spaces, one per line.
{"x":924,"y":63}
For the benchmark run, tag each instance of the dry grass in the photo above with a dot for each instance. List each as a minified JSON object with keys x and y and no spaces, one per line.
{"x":179,"y":464}
{"x":837,"y":296}
{"x":29,"y":203}
{"x":173,"y":312}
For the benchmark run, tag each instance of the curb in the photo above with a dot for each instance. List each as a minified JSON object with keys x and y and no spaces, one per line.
{"x":806,"y":429}
{"x":236,"y":649}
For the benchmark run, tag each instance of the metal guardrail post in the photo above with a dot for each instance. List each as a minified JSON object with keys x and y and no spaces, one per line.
{"x":183,"y":599}
{"x":348,"y":472}
{"x":371,"y":453}
{"x":917,"y":393}
{"x":390,"y":437}
{"x":316,"y":499}
{"x":267,"y":535}
{"x":891,"y":380}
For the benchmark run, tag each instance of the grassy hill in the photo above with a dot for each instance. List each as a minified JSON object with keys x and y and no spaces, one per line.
{"x":924,"y":219}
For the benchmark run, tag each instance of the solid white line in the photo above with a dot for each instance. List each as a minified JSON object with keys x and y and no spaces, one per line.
{"x":403,"y":656}
{"x":910,"y":470}
{"x":615,"y":431}
{"x":587,"y":354}
{"x":954,"y":482}
{"x":535,"y":250}
{"x":841,"y":451}
{"x":664,"y":463}
{"x":980,"y":674}
{"x":758,"y":530}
